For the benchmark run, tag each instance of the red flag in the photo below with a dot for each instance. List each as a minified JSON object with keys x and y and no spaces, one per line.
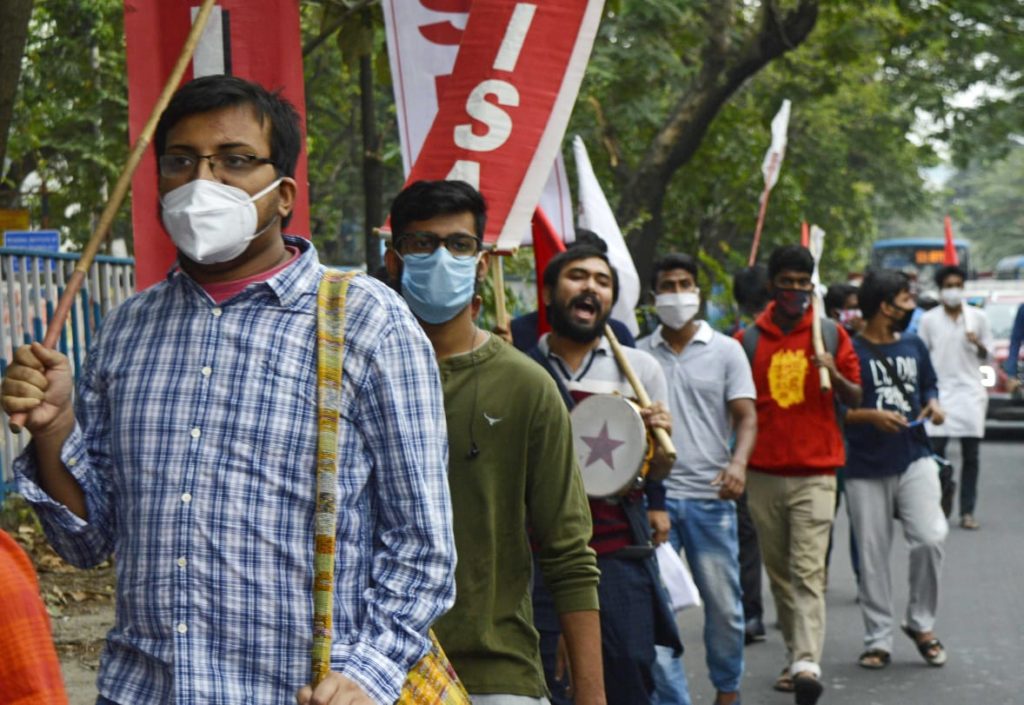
{"x":504,"y":110}
{"x":805,"y":235}
{"x":257,"y":40}
{"x":950,"y":256}
{"x":546,"y":244}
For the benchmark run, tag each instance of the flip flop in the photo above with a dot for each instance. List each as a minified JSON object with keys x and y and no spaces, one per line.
{"x":926,"y":648}
{"x":874,"y":659}
{"x":784,"y":683}
{"x":807,"y":688}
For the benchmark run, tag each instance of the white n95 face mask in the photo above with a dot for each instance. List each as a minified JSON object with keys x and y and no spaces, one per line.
{"x":211,"y":222}
{"x":676,"y":310}
{"x":952,"y":297}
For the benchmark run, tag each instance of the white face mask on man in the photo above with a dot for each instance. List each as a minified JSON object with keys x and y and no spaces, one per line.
{"x":211,"y":222}
{"x":677,"y":309}
{"x":952,"y":297}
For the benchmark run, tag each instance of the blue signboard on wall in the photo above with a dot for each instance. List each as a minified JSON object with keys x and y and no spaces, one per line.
{"x":44,"y":240}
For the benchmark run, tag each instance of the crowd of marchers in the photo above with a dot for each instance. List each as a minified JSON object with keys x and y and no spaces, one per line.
{"x":467,"y":536}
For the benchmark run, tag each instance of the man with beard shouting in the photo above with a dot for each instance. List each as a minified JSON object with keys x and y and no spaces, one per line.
{"x":580,"y":287}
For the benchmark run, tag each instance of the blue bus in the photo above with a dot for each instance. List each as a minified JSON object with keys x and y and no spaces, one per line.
{"x":923,"y":255}
{"x":1011,"y":267}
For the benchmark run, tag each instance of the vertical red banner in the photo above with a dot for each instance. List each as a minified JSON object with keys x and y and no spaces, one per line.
{"x":504,"y":110}
{"x":258,"y":40}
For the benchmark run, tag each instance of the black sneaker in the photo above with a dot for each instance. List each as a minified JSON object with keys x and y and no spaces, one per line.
{"x":807,"y":689}
{"x":753,"y":631}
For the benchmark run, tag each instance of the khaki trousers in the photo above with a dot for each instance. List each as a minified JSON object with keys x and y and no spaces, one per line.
{"x":793,"y":516}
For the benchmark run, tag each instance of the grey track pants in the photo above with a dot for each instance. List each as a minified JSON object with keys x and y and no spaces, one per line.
{"x":914,"y":495}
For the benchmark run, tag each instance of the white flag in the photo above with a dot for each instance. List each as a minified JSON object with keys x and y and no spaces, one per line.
{"x":422,"y":46}
{"x":772,"y":164}
{"x":596,"y":215}
{"x":817,"y":248}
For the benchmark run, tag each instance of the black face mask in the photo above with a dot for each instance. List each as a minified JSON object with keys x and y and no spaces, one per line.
{"x":901,"y":324}
{"x":792,"y":302}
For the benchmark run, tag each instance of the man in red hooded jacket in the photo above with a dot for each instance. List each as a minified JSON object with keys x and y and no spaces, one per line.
{"x":791,"y":481}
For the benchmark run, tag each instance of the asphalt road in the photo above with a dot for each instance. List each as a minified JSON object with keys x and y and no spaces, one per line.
{"x":981,"y":618}
{"x":981,"y":614}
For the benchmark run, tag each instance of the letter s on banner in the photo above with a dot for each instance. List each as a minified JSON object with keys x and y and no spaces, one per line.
{"x":499,"y":123}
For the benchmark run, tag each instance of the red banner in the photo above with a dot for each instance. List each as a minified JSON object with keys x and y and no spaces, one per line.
{"x":950,"y":255}
{"x":505,"y":108}
{"x":258,"y":40}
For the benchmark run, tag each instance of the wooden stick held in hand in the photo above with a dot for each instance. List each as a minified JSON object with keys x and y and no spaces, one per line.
{"x":67,"y":300}
{"x":498,"y":280}
{"x":819,"y":341}
{"x":660,"y":435}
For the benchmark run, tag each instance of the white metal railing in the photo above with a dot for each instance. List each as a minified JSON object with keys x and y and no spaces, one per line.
{"x":31,"y":283}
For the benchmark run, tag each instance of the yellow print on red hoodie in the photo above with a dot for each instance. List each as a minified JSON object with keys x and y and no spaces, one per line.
{"x":786,"y":376}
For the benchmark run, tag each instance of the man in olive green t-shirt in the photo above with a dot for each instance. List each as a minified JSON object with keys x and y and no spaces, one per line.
{"x":512,"y":469}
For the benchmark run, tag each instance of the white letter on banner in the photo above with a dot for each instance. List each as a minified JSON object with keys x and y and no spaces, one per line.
{"x":499,"y":124}
{"x":515,"y":35}
{"x":467,"y":171}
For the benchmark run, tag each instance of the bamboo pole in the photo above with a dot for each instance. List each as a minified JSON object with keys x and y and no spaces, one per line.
{"x":819,"y":341}
{"x":660,"y":434}
{"x":772,"y":167}
{"x":99,"y":234}
{"x":498,"y":280}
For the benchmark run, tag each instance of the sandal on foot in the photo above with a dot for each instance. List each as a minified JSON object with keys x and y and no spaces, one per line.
{"x":807,"y":688}
{"x":931,"y":650}
{"x":874,"y":659}
{"x":784,"y":683}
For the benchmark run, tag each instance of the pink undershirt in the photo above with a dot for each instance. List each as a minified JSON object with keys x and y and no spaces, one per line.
{"x":222,"y":291}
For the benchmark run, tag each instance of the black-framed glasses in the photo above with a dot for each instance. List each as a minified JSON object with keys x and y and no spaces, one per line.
{"x":460,"y":245}
{"x":176,"y":165}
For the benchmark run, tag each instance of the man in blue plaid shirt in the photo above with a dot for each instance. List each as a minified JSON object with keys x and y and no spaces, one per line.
{"x":190,"y":453}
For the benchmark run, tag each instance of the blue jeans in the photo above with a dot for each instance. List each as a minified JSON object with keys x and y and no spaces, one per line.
{"x":707,"y":530}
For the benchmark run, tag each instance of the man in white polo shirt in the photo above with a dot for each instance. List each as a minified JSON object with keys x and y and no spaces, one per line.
{"x":711,"y":395}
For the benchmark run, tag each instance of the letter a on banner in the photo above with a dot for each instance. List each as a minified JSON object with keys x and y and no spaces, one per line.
{"x":504,"y":110}
{"x":257,"y":40}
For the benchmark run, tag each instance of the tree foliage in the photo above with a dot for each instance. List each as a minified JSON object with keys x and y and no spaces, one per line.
{"x":14,"y":18}
{"x":675,"y":108}
{"x":71,"y":117}
{"x":863,"y":81}
{"x":986,"y":201}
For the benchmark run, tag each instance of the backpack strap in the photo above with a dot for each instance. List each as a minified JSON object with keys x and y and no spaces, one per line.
{"x":330,"y":333}
{"x":830,"y":335}
{"x":751,"y":336}
{"x":541,"y":359}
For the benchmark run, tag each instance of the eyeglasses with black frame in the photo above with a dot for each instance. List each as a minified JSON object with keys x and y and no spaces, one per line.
{"x":460,"y":245}
{"x":175,"y":165}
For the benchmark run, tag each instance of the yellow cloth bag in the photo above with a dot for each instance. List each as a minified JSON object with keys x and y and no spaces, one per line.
{"x":432,"y":681}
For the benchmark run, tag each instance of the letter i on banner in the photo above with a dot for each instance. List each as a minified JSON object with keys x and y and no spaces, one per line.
{"x":258,"y":40}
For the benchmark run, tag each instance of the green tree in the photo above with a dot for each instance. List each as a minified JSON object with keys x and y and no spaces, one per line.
{"x":682,"y":93}
{"x":71,"y":116}
{"x":14,"y":18}
{"x":987,"y":200}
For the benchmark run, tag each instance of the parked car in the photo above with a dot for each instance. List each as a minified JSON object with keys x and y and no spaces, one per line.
{"x":1001,"y":307}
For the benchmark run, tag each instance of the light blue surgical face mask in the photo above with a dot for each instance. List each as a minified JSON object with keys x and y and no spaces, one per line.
{"x":439,"y":285}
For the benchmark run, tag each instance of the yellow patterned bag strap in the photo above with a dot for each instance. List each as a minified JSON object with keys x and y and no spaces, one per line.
{"x":330,"y":351}
{"x":432,"y":681}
